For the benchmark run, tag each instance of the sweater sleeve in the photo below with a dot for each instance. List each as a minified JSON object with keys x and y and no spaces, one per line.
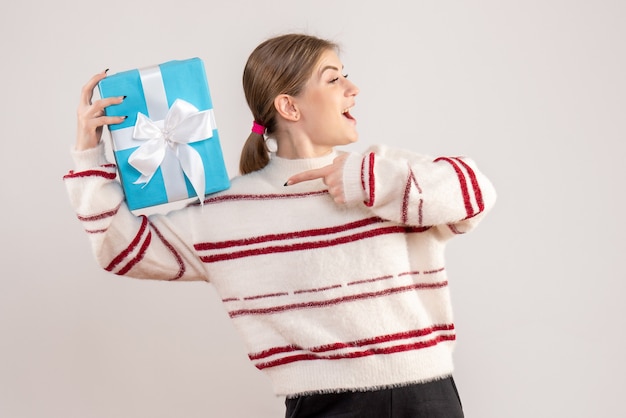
{"x":150,"y":247}
{"x":418,"y":190}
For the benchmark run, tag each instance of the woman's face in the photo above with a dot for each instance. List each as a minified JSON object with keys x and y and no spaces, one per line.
{"x":325,"y":103}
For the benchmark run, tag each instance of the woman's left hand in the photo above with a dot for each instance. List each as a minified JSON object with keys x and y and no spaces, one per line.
{"x":331,"y":175}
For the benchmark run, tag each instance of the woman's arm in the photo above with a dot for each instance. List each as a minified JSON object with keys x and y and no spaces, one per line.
{"x":410,"y":188}
{"x":155,"y":247}
{"x":424,"y":191}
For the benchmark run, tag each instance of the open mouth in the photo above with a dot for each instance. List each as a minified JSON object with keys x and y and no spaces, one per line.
{"x":346,"y":113}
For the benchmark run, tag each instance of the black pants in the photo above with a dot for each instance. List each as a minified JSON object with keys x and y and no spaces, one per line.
{"x":438,"y":399}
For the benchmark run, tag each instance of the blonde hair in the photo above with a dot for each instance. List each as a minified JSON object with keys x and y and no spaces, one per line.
{"x":280,"y":65}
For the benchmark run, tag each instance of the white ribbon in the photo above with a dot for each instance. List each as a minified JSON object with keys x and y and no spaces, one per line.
{"x":182,"y":124}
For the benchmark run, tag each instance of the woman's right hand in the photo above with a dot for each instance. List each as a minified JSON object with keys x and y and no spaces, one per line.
{"x":91,"y":117}
{"x":331,"y":175}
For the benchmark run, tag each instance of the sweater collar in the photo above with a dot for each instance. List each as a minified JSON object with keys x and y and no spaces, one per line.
{"x":300,"y":164}
{"x":280,"y":169}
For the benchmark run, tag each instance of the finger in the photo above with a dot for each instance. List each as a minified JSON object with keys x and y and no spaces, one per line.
{"x":309,"y":175}
{"x":109,"y":120}
{"x":100,"y":105}
{"x":97,"y":108}
{"x":102,"y":121}
{"x":337,"y":194}
{"x":87,"y":90}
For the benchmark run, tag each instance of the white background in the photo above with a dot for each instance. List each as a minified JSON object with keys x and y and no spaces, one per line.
{"x":534,"y":91}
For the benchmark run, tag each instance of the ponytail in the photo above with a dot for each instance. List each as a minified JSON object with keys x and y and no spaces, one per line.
{"x":254,"y":154}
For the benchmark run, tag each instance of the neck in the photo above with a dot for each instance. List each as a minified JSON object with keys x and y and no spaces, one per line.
{"x":296,"y":147}
{"x":299,"y":153}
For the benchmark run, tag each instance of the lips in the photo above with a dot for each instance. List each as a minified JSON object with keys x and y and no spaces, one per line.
{"x":346,"y":113}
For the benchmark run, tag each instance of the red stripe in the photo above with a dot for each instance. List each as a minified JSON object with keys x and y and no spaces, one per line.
{"x":273,"y":351}
{"x":461,"y":177}
{"x":310,"y":245}
{"x":365,"y":353}
{"x":90,"y":173}
{"x":121,"y":256}
{"x":136,"y":259}
{"x":236,"y":197}
{"x":99,"y":216}
{"x":454,"y":229}
{"x":416,"y":273}
{"x":181,"y":264}
{"x":371,"y":181}
{"x":363,"y":173}
{"x":375,"y":279}
{"x":336,"y":301}
{"x":358,"y":354}
{"x":414,"y":179}
{"x":420,"y":211}
{"x":320,"y":289}
{"x":405,"y":201}
{"x":269,"y":295}
{"x":336,"y":286}
{"x":203,"y":246}
{"x":358,"y":343}
{"x":477,"y":192}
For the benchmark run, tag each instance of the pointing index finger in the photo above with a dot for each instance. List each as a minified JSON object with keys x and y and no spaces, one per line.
{"x":317,"y":173}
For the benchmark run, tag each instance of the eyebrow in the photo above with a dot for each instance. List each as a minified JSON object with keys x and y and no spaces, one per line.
{"x":329,"y":67}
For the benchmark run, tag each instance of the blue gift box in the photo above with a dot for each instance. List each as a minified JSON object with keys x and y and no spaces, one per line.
{"x":164,"y":103}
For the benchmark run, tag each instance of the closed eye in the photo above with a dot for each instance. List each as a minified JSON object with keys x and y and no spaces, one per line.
{"x":334,"y":80}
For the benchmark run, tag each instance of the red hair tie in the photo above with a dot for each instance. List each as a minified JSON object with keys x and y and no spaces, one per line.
{"x":257,"y":128}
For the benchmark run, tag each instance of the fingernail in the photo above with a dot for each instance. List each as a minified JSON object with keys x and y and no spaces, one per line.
{"x":124,"y":98}
{"x":106,"y":71}
{"x":124,"y":117}
{"x":286,"y":183}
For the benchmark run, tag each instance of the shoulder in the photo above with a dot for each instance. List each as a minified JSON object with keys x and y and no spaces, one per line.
{"x":251,"y":183}
{"x":381,"y":150}
{"x":241,"y":184}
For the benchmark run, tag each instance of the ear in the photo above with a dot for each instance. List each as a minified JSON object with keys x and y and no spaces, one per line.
{"x":286,"y":107}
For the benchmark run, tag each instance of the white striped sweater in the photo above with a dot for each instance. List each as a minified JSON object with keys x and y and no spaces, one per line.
{"x":326,"y":297}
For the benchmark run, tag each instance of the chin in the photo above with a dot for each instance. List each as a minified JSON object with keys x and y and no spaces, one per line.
{"x":348,"y":141}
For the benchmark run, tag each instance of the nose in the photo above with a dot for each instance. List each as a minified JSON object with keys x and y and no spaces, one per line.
{"x":351,"y":88}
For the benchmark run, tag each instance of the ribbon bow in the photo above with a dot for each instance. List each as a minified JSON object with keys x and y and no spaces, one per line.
{"x":182,"y":124}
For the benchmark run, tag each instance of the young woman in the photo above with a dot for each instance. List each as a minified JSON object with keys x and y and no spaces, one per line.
{"x":330,"y":264}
